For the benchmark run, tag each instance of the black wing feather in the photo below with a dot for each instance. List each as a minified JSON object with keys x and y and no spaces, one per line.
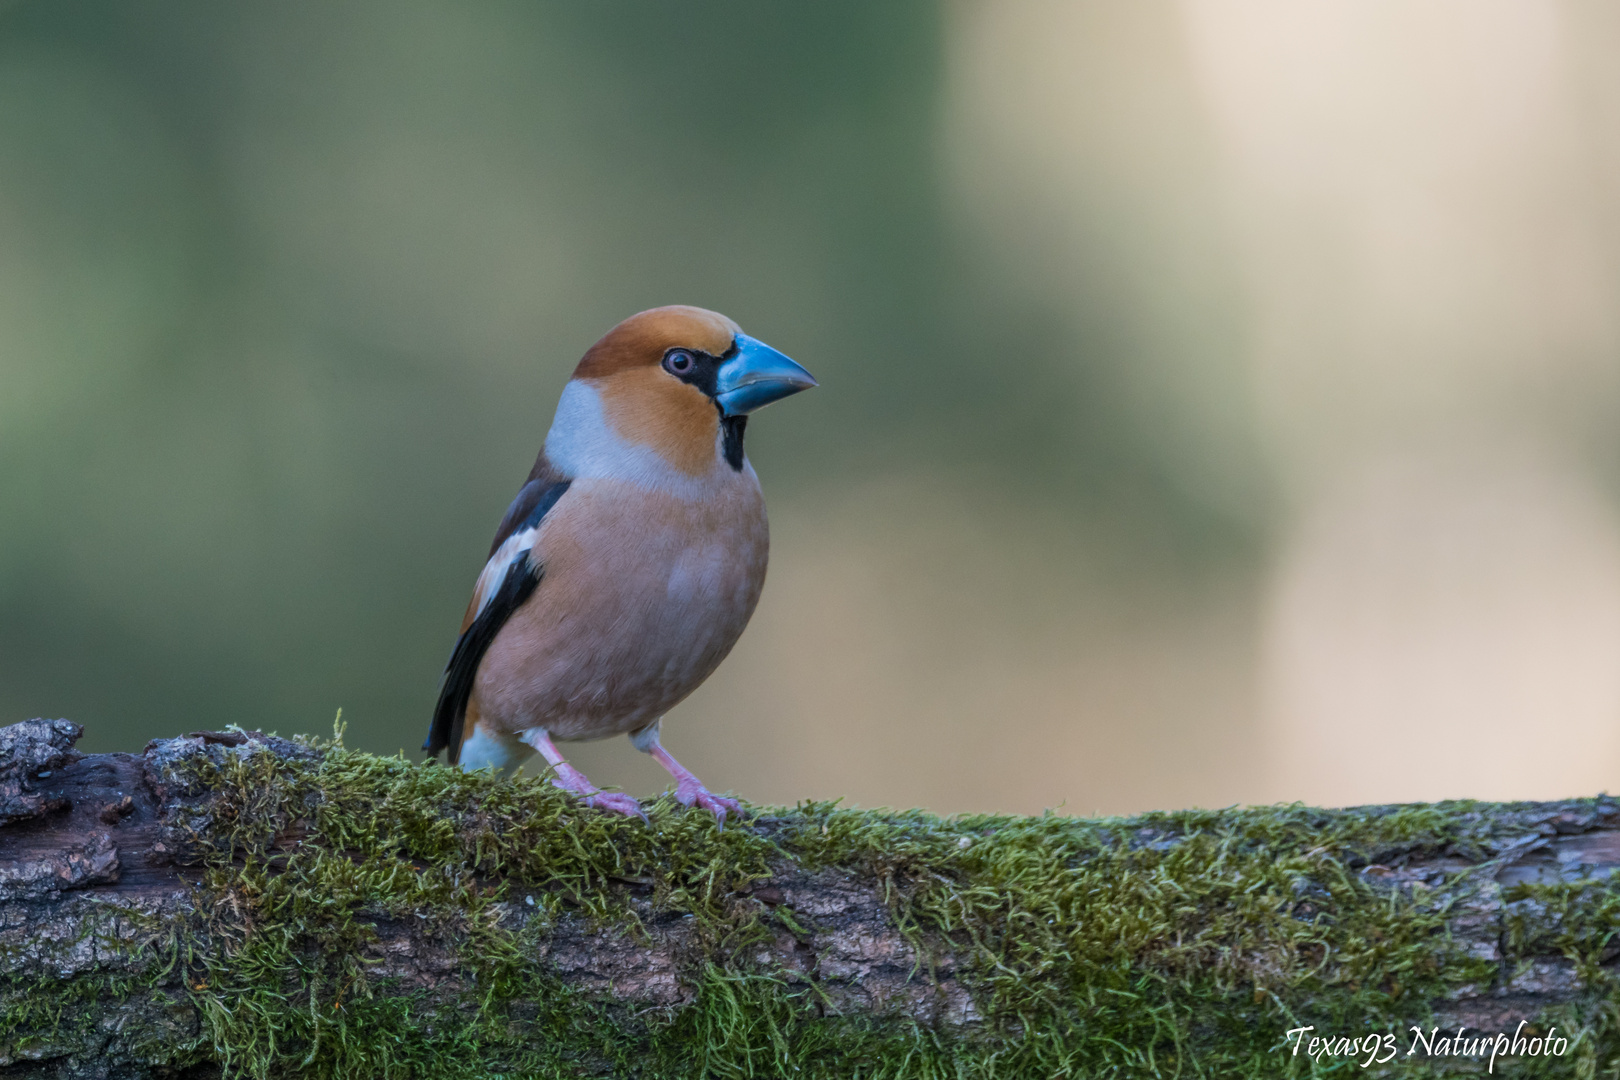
{"x":530,"y":496}
{"x":517,"y":585}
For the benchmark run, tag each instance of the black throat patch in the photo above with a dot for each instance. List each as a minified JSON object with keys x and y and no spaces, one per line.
{"x":731,"y":440}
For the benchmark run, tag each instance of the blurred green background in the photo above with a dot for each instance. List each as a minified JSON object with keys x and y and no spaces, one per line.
{"x":1210,"y":392}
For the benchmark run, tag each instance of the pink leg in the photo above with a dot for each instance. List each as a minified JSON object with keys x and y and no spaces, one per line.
{"x":572,"y":780}
{"x":689,"y":790}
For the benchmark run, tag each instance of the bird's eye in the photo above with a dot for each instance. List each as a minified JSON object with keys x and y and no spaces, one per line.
{"x":678,"y":361}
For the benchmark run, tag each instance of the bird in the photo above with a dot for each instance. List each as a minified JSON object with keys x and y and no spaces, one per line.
{"x":630,"y":561}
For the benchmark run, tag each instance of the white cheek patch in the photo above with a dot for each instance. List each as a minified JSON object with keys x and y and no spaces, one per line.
{"x":583,"y":445}
{"x":494,"y":572}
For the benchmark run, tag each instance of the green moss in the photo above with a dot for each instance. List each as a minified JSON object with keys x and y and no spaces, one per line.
{"x":1580,"y":922}
{"x":1179,"y":944}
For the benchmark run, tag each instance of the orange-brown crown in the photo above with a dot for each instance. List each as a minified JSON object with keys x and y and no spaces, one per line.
{"x":644,"y":338}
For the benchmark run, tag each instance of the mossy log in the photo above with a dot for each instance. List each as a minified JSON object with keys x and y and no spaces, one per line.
{"x":232,"y":903}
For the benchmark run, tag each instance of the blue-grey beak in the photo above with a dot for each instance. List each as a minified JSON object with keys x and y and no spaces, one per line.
{"x":756,"y":376}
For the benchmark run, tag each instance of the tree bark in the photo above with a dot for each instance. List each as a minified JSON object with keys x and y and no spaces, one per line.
{"x":126,"y":885}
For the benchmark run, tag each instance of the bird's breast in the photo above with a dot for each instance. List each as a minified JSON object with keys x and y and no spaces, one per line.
{"x":643,"y":593}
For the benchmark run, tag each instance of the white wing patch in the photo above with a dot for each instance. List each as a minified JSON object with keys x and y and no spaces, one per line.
{"x":494,"y":572}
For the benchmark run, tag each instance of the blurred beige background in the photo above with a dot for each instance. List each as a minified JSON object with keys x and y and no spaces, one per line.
{"x":1219,"y":398}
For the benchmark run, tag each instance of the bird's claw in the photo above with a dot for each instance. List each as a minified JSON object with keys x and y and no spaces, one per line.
{"x":615,"y":802}
{"x":573,"y":781}
{"x":697,"y":795}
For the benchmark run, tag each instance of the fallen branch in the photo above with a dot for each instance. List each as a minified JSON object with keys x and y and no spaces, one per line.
{"x":234,"y":903}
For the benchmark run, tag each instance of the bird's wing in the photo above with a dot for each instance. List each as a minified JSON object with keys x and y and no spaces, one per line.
{"x":530,"y":496}
{"x":508,"y":580}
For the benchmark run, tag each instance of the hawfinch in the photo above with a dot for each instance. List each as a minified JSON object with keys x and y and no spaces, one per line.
{"x":628,"y":565}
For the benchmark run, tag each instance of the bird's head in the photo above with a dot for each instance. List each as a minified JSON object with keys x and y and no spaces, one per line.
{"x":678,"y":381}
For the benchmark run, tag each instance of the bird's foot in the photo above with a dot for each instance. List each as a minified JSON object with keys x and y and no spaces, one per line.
{"x":573,"y":781}
{"x":616,"y":802}
{"x":692,"y":793}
